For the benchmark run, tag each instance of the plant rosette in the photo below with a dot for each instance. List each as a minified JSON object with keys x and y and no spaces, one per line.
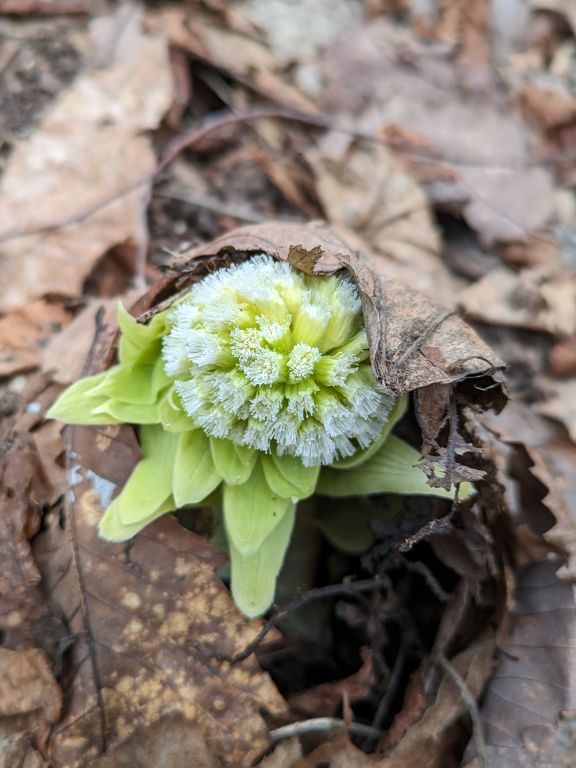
{"x":253,"y":391}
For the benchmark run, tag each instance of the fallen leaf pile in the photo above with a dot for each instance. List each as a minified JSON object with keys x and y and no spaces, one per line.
{"x":427,"y":148}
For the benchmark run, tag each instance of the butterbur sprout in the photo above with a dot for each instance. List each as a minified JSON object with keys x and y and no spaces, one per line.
{"x":252,"y":391}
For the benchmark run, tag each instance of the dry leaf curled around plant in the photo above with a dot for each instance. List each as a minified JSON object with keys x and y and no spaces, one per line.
{"x":413,"y":341}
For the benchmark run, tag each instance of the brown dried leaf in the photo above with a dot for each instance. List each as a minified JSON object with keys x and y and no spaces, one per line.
{"x":364,"y":188}
{"x":323,"y":700}
{"x":413,"y":342}
{"x":30,"y":702}
{"x":563,"y":7}
{"x":560,"y":404}
{"x":476,"y":154}
{"x":284,"y":756}
{"x":505,"y":205}
{"x":534,"y":682}
{"x":170,"y":741}
{"x":549,"y":102}
{"x":151,"y":623}
{"x":422,"y":743}
{"x":235,"y":48}
{"x":64,"y":356}
{"x":339,"y":753}
{"x":87,"y":152}
{"x":537,"y":299}
{"x":25,"y":332}
{"x":23,"y":491}
{"x":553,"y":458}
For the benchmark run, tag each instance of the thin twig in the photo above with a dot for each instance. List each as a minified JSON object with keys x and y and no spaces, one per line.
{"x":422,"y":570}
{"x":240,"y":212}
{"x":333,"y":590}
{"x":319,"y":724}
{"x":391,"y":689}
{"x":472,"y":706}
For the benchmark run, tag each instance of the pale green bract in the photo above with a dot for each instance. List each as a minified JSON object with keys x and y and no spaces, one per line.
{"x":253,"y":391}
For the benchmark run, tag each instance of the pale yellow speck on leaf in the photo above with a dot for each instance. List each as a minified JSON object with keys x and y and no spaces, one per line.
{"x":183,"y":567}
{"x":131,"y":600}
{"x":90,"y":508}
{"x":176,"y":624}
{"x":133,"y":629}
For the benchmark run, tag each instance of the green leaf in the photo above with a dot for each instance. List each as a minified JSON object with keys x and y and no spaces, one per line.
{"x":391,"y":470}
{"x":138,"y":340}
{"x":172,"y":415}
{"x":194,"y":474}
{"x":76,"y":404}
{"x":150,"y":484}
{"x":348,"y":528}
{"x":128,"y":413}
{"x":140,"y":385}
{"x":253,"y":576}
{"x":113,"y":529}
{"x":288,"y":477}
{"x":234,"y":462}
{"x":361,"y":456}
{"x":252,"y":511}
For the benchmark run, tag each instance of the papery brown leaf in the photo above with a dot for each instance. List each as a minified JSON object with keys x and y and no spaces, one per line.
{"x":150,"y":623}
{"x":324,"y":699}
{"x":170,"y":741}
{"x":30,"y":703}
{"x":364,"y":188}
{"x":24,"y":333}
{"x":562,"y":358}
{"x":64,"y":357}
{"x":476,"y":154}
{"x":413,"y":342}
{"x":534,"y":681}
{"x":549,"y":102}
{"x":340,"y":753}
{"x":542,"y":299}
{"x":87,"y":153}
{"x":553,"y":458}
{"x":423,"y":742}
{"x":24,"y":489}
{"x":560,"y":404}
{"x":285,"y":755}
{"x":237,"y":49}
{"x":49,"y":7}
{"x":563,"y":7}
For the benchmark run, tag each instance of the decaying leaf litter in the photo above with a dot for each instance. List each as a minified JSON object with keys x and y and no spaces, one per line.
{"x":437,"y":144}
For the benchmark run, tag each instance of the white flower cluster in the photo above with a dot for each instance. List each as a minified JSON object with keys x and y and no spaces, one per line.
{"x":270,"y":358}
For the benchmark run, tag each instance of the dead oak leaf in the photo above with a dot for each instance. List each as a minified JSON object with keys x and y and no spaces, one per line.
{"x":413,"y":341}
{"x":421,"y":745}
{"x":475,"y":156}
{"x":151,"y":624}
{"x":24,"y":334}
{"x":86,"y":154}
{"x":30,"y":702}
{"x":230,"y":43}
{"x":560,"y":404}
{"x":553,"y":458}
{"x":539,"y":299}
{"x":364,"y":188}
{"x":534,"y":681}
{"x":24,"y":490}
